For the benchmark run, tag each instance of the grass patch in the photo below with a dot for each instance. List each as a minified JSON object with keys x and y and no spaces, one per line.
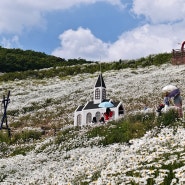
{"x":22,"y":150}
{"x":168,"y":118}
{"x":4,"y":137}
{"x":121,"y":131}
{"x":20,"y":137}
{"x":26,"y":136}
{"x":132,"y":126}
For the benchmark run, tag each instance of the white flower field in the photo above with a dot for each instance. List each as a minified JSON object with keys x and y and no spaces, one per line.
{"x":53,"y":101}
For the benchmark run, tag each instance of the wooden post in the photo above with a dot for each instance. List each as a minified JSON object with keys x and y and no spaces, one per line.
{"x":5,"y":103}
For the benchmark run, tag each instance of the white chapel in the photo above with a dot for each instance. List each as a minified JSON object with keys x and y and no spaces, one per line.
{"x":91,"y":112}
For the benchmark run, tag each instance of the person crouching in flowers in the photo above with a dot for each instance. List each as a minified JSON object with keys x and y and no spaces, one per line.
{"x":166,"y":101}
{"x":177,"y":101}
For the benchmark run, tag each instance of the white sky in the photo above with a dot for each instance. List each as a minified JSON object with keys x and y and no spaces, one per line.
{"x":95,"y":30}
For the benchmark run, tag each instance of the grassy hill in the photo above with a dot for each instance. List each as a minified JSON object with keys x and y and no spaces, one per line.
{"x":45,"y":148}
{"x":14,"y":60}
{"x":19,"y":64}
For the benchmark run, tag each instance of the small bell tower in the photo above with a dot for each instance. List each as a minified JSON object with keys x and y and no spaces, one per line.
{"x":99,"y":90}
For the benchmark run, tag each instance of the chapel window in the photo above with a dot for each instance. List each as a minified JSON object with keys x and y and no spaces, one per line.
{"x":79,"y":119}
{"x":88,"y":118}
{"x":98,"y":115}
{"x":97,"y":94}
{"x":103,"y":94}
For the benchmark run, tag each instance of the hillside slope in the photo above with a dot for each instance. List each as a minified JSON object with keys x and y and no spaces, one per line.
{"x":12,"y":60}
{"x":136,"y":88}
{"x":51,"y":102}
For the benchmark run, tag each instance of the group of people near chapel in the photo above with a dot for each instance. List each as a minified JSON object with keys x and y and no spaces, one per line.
{"x":175,"y":101}
{"x":104,"y":117}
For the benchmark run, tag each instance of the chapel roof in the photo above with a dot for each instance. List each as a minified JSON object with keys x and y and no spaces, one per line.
{"x":80,"y":108}
{"x":91,"y":105}
{"x":100,"y":82}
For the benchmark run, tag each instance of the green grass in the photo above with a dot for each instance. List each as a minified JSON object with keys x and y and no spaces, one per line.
{"x":21,"y":150}
{"x":90,"y":67}
{"x":20,"y":137}
{"x":26,"y":136}
{"x":133,"y":126}
{"x":122,"y":131}
{"x":130,"y":127}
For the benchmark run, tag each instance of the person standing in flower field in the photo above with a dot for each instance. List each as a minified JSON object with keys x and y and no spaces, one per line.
{"x":177,"y":101}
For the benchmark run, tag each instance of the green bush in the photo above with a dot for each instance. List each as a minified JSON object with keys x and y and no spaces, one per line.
{"x":26,"y":136}
{"x":21,"y":150}
{"x":168,"y":118}
{"x":132,"y":126}
{"x":4,"y":137}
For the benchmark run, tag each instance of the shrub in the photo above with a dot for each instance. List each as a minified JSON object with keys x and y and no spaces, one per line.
{"x":21,"y":150}
{"x":26,"y":136}
{"x":132,"y":126}
{"x":168,"y":118}
{"x":4,"y":137}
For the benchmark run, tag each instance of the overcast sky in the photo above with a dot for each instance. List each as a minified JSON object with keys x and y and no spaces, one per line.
{"x":98,"y":30}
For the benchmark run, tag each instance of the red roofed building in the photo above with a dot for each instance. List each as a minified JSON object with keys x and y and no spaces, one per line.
{"x":178,"y":55}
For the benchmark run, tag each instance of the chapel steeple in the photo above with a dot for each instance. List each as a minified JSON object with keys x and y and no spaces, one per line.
{"x":99,"y":90}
